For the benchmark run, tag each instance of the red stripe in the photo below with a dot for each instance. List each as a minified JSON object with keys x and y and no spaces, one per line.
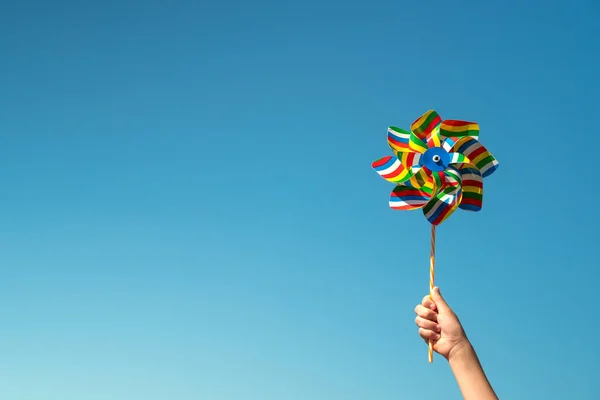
{"x":394,"y":173}
{"x":410,"y":192}
{"x":397,"y":143}
{"x":472,"y":182}
{"x":442,"y":215}
{"x":404,"y":207}
{"x":470,"y":201}
{"x":433,"y":124}
{"x":381,"y":161}
{"x":476,"y":152}
{"x":453,"y":122}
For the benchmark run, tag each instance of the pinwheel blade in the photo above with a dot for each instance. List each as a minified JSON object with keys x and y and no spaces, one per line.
{"x":425,"y":124}
{"x":434,"y":139}
{"x":398,"y":139}
{"x":391,"y":169}
{"x":411,"y":160}
{"x":445,"y":202}
{"x":477,"y":154}
{"x":408,"y":198}
{"x":472,"y":187}
{"x":422,"y":179}
{"x":417,"y":144}
{"x":452,"y":128}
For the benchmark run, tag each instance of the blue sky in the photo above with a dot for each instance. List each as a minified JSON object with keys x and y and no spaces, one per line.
{"x":188,"y":209}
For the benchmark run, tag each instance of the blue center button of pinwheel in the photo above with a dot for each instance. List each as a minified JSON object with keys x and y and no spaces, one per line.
{"x":435,"y":159}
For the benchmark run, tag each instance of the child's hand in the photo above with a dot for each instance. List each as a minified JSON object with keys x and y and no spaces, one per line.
{"x":437,"y":321}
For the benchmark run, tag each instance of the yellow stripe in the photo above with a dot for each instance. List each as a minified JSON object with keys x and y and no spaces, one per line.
{"x":404,"y":160}
{"x":421,"y":179}
{"x":417,"y":144}
{"x":481,"y":157}
{"x":472,"y":189}
{"x":402,"y":177}
{"x":420,"y":121}
{"x":459,"y":143}
{"x":397,"y":148}
{"x":463,"y":128}
{"x":454,"y":207}
{"x":434,"y":137}
{"x":417,"y":148}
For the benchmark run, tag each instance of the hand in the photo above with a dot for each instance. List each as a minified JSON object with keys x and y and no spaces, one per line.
{"x":438,"y":322}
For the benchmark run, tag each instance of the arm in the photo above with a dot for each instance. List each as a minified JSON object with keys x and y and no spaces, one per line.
{"x":438,"y":322}
{"x":469,"y":374}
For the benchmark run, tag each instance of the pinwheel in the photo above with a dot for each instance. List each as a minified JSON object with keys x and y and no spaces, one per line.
{"x":437,"y":166}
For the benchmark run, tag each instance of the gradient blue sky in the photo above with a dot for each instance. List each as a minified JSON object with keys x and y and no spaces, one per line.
{"x":188,"y":209}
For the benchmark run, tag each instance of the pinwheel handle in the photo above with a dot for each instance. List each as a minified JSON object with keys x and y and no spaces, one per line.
{"x":431,"y":281}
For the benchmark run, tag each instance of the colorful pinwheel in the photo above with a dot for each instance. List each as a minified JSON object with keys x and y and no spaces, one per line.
{"x":438,"y":166}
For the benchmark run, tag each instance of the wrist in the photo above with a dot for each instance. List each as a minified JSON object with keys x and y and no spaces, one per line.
{"x":460,"y":351}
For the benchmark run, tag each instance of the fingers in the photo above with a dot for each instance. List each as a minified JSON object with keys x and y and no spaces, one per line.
{"x":428,"y":325}
{"x":426,"y":313}
{"x":426,"y":320}
{"x":428,"y":335}
{"x":427,"y":302}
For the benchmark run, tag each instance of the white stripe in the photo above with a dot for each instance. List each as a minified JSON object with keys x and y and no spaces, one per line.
{"x":488,"y":166}
{"x":472,"y":176}
{"x":391,"y":168}
{"x":433,"y":210}
{"x":399,"y":134}
{"x":408,"y":202}
{"x":447,"y":144}
{"x":471,"y":148}
{"x":456,"y":156}
{"x":452,"y":177}
{"x":417,"y":159}
{"x":447,"y":198}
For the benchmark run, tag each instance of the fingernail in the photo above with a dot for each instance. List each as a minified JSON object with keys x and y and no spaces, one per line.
{"x":438,"y":328}
{"x":438,"y":337}
{"x":437,"y":290}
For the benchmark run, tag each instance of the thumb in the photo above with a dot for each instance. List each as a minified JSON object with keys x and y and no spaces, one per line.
{"x":439,"y":300}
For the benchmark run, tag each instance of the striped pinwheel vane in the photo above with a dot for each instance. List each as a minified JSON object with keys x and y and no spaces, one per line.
{"x":438,"y":166}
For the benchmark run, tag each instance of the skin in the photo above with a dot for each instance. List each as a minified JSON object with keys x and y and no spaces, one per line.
{"x":438,"y":322}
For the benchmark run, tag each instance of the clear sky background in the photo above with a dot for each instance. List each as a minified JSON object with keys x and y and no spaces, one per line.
{"x":188,"y":209}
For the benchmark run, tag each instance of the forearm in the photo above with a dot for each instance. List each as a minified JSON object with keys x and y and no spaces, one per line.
{"x":469,"y":374}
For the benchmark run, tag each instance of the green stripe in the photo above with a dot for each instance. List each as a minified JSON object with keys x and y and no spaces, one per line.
{"x":459,"y":158}
{"x":429,"y":205}
{"x":454,"y":175}
{"x":485,"y":161}
{"x":427,"y":121}
{"x":417,"y":142}
{"x":420,"y":179}
{"x":473,"y":195}
{"x":437,"y":181}
{"x":447,"y":133}
{"x":396,"y":129}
